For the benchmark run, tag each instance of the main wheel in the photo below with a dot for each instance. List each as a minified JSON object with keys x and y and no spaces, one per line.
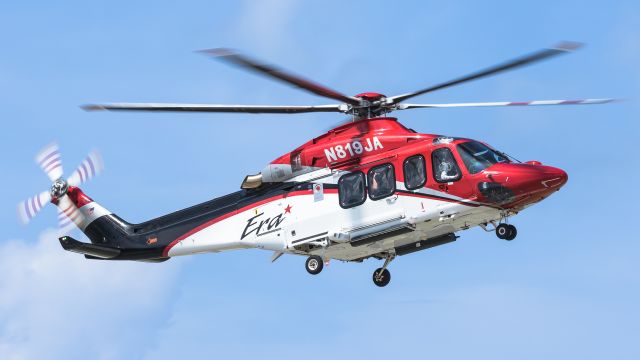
{"x":314,"y":265}
{"x":381,"y":277}
{"x":513,"y":232}
{"x":502,"y":231}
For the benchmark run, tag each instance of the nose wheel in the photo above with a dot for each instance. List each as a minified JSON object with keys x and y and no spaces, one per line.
{"x":382,"y":276}
{"x":506,"y":232}
{"x":314,"y":264}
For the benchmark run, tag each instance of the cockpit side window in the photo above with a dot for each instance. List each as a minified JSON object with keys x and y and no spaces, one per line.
{"x":477,"y":156}
{"x":445,"y":168}
{"x":382,"y":181}
{"x":415,"y":172}
{"x":351,"y":189}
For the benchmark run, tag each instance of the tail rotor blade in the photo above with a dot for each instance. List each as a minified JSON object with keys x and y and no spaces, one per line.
{"x":68,"y":214}
{"x":50,"y":161}
{"x":91,"y":166}
{"x":65,"y":224}
{"x":29,"y":208}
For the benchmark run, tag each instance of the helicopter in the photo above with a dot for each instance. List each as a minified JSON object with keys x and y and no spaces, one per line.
{"x":368,"y":188}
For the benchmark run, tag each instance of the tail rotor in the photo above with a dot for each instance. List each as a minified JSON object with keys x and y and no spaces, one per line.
{"x":50,"y":162}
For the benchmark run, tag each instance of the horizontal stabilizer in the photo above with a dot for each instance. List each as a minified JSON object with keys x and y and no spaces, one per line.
{"x":103,"y":252}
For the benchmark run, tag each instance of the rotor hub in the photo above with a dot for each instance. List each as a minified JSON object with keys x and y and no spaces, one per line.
{"x":59,"y":188}
{"x":370,"y":96}
{"x":372,"y":104}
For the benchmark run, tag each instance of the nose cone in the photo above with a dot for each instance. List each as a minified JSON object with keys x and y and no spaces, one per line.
{"x":521,"y":184}
{"x":553,"y":178}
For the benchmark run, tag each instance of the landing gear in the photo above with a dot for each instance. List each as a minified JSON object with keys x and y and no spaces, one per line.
{"x":382,"y":276}
{"x":314,"y":265}
{"x":506,"y":232}
{"x":502,"y":231}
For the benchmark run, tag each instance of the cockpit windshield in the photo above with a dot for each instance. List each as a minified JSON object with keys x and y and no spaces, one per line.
{"x":477,"y":156}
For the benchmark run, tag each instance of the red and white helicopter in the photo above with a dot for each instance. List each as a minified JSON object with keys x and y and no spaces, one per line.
{"x":370,"y":188}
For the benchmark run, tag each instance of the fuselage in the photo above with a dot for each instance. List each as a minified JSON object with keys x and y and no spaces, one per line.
{"x":368,"y":188}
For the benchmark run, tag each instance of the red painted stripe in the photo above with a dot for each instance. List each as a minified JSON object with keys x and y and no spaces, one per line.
{"x":52,"y":161}
{"x":55,"y":166}
{"x":33,"y":206}
{"x":93,"y":168}
{"x":26,"y":209}
{"x":435,"y":197}
{"x":86,"y":172}
{"x":49,"y":155}
{"x":68,"y":210}
{"x":165,"y":252}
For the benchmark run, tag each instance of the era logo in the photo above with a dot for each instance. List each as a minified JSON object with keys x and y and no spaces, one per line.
{"x":265,"y":226}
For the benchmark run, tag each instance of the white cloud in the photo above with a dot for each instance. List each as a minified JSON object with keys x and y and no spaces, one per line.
{"x":55,"y":304}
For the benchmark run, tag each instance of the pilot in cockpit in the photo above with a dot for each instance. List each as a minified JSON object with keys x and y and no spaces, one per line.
{"x":446,"y":168}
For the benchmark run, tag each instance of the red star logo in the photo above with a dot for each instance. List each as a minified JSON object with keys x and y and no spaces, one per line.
{"x":287,"y":210}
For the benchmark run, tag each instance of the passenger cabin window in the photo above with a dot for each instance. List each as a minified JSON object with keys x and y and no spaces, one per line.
{"x":415,"y":172}
{"x":445,"y":168}
{"x":351,"y":189}
{"x":382,"y":181}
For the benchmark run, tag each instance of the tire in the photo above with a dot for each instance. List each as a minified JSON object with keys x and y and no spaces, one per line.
{"x":513,"y":232}
{"x":314,"y":265}
{"x":503,"y":231}
{"x":383,"y":279}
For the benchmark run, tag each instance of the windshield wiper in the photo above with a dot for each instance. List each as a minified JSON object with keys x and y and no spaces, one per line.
{"x":508,"y":156}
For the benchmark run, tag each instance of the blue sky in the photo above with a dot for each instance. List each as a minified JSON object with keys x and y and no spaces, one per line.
{"x":567,"y":287}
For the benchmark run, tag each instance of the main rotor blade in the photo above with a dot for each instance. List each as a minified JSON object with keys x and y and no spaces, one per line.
{"x":512,"y":64}
{"x":507,"y":103}
{"x":252,"y":109}
{"x":50,"y":161}
{"x":241,"y":60}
